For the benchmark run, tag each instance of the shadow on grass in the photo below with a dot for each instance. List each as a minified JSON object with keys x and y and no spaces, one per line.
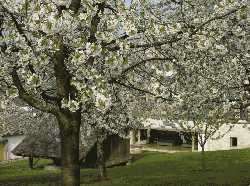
{"x":34,"y":181}
{"x":206,"y":170}
{"x":93,"y":181}
{"x":144,"y":154}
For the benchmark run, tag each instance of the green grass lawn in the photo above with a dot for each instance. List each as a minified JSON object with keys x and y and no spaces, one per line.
{"x":148,"y":168}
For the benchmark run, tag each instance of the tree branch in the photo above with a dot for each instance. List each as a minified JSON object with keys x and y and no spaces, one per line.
{"x":20,"y":31}
{"x":141,"y":62}
{"x":47,"y":97}
{"x":46,"y":107}
{"x":145,"y":91}
{"x":17,"y":25}
{"x":113,"y":41}
{"x":75,"y":5}
{"x":109,"y":7}
{"x":217,"y":17}
{"x":132,"y":45}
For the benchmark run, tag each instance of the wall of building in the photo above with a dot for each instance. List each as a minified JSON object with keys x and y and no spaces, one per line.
{"x":242,"y":135}
{"x":13,"y":141}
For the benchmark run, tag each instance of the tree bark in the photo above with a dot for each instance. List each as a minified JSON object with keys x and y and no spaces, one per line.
{"x":193,"y":142}
{"x":70,"y":152}
{"x":102,"y":175}
{"x":30,"y":163}
{"x":203,"y":159}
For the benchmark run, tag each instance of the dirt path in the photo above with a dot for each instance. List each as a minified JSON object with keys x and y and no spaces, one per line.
{"x":163,"y":150}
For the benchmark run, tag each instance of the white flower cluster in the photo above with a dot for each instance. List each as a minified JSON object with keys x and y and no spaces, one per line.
{"x":129,"y":27}
{"x":83,"y":16}
{"x":72,"y":105}
{"x":63,"y":2}
{"x":93,"y":49}
{"x":105,"y":36}
{"x":112,"y":23}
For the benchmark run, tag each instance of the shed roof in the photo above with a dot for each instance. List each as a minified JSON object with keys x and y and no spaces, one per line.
{"x":45,"y":146}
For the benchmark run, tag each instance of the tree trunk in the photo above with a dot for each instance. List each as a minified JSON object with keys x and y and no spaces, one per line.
{"x":102,"y":175}
{"x":30,"y":163}
{"x":203,"y":159}
{"x":193,"y":142}
{"x":70,"y":152}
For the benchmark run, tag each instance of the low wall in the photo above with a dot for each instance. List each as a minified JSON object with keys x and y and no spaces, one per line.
{"x":52,"y":167}
{"x":14,"y":160}
{"x":56,"y":167}
{"x":134,"y":149}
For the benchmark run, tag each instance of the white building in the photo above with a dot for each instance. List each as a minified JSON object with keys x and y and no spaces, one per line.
{"x":237,"y":138}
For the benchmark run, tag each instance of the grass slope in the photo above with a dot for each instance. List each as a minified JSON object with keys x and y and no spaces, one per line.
{"x":148,"y":168}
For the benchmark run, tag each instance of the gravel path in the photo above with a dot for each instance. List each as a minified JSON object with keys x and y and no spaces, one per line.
{"x":162,"y":150}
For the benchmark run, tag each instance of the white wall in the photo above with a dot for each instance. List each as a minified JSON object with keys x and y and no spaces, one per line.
{"x":13,"y":141}
{"x":242,"y":135}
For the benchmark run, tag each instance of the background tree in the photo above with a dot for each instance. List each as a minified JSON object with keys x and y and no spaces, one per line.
{"x":207,"y":83}
{"x":203,"y":119}
{"x":109,"y":116}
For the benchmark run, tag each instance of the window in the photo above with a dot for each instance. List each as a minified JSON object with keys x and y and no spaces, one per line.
{"x":233,"y":142}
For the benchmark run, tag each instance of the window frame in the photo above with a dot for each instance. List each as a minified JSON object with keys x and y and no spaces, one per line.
{"x":231,"y":141}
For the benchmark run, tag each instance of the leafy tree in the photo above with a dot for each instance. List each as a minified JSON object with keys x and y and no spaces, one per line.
{"x":115,"y":119}
{"x":209,"y":62}
{"x":206,"y":119}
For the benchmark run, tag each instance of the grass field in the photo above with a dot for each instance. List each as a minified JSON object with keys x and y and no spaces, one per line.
{"x":148,"y":168}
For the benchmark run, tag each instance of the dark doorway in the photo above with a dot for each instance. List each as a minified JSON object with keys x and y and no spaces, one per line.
{"x":154,"y":136}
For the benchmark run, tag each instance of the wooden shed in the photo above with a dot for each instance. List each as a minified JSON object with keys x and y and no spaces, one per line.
{"x":35,"y":145}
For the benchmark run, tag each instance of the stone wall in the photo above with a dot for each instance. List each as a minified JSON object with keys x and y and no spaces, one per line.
{"x":56,"y":167}
{"x":14,"y":160}
{"x":134,"y":149}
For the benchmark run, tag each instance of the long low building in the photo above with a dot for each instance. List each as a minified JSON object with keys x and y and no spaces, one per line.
{"x":162,"y":133}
